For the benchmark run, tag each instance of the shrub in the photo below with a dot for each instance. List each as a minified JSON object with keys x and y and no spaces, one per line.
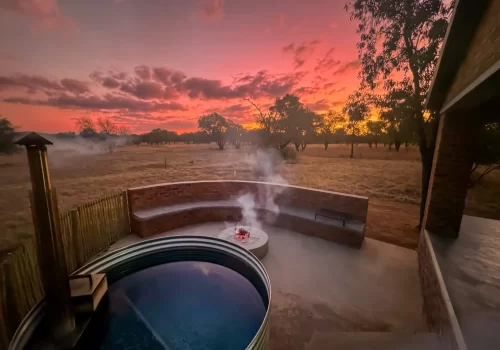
{"x":7,"y":134}
{"x":289,"y":155}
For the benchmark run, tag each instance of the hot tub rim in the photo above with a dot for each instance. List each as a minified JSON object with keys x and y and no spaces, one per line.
{"x":147,"y":247}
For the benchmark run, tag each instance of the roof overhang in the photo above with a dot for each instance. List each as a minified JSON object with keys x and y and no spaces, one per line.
{"x":466,"y":17}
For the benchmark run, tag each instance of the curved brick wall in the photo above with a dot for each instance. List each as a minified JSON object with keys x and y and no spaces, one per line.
{"x":147,"y":197}
{"x":160,"y":208}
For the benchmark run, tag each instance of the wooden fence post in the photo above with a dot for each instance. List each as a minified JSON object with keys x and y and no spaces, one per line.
{"x":126,"y":212}
{"x":76,"y":237}
{"x":5,"y":327}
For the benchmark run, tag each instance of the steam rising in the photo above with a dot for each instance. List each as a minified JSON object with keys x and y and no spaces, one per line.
{"x":265,"y":166}
{"x":64,"y":149}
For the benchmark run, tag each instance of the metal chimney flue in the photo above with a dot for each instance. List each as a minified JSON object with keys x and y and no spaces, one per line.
{"x":51,"y":258}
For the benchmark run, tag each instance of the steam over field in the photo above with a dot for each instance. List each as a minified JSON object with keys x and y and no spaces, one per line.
{"x":390,"y":179}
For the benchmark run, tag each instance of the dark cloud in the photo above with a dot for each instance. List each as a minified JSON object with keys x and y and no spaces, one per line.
{"x":118,"y":75}
{"x":236,"y":112}
{"x":319,"y":105}
{"x":212,"y":9}
{"x":143,"y":72}
{"x":337,"y":103}
{"x":348,"y":67}
{"x":35,"y":83}
{"x":141,"y":86}
{"x":329,"y":85}
{"x":300,"y":52}
{"x":99,"y":76}
{"x":307,"y":90}
{"x":167,"y":76}
{"x":237,"y":108}
{"x":148,"y":90}
{"x":134,"y":116}
{"x":327,"y":63}
{"x":32,"y":83}
{"x":110,"y":82}
{"x":146,"y":122}
{"x":261,"y":84}
{"x":75,"y":86}
{"x":95,"y":102}
{"x":169,"y":84}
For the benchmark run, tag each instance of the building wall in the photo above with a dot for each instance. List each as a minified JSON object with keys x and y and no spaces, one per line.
{"x":450,"y":174}
{"x":440,"y":315}
{"x":483,"y":52}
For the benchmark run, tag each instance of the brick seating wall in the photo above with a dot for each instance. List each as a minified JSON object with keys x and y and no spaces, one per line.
{"x":164,"y":195}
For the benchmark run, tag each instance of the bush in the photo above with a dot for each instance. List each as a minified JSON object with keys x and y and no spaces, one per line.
{"x":7,"y":134}
{"x":289,"y":154}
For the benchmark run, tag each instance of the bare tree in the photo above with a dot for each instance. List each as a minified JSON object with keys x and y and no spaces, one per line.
{"x":85,"y":123}
{"x":108,"y":146}
{"x":106,"y":125}
{"x":123,"y":130}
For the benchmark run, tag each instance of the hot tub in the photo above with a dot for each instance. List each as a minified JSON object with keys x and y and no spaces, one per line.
{"x":174,"y":293}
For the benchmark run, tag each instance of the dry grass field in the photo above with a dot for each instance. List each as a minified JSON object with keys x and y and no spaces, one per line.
{"x":390,"y":179}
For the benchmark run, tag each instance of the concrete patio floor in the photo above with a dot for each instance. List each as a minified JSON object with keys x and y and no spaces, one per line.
{"x":470,"y":266}
{"x":320,"y":287}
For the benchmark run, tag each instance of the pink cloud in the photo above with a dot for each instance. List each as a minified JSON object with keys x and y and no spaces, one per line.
{"x":45,"y":13}
{"x":348,"y":67}
{"x":301,"y":52}
{"x":212,"y":9}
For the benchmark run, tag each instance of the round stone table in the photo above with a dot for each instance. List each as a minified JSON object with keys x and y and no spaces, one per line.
{"x":256,"y":243}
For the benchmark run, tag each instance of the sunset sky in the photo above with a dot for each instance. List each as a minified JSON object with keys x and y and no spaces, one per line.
{"x":163,"y":63}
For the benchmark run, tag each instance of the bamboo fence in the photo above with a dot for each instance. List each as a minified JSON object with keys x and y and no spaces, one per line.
{"x":86,"y":230}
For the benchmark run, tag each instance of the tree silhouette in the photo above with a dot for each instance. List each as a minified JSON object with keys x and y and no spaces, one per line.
{"x":287,"y":121}
{"x":234,"y":133}
{"x":86,"y":126}
{"x":215,"y":125}
{"x":397,"y":112}
{"x":399,"y":42}
{"x":7,"y":133}
{"x":487,"y":152}
{"x":328,"y":124}
{"x":271,"y":127}
{"x":356,"y":109}
{"x":106,"y":126}
{"x":375,"y":131}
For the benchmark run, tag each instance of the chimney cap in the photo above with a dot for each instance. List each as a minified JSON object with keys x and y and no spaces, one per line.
{"x":33,"y":139}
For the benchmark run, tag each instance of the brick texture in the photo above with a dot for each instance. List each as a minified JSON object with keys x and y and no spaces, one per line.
{"x":435,"y":309}
{"x":484,"y":51}
{"x":450,"y":174}
{"x":176,"y":193}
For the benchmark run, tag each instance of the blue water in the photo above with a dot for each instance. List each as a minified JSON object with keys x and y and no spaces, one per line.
{"x":182,"y":305}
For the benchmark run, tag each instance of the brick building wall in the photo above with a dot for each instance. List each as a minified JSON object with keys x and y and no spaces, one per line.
{"x":451,"y":167}
{"x":439,"y":317}
{"x":483,"y":52}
